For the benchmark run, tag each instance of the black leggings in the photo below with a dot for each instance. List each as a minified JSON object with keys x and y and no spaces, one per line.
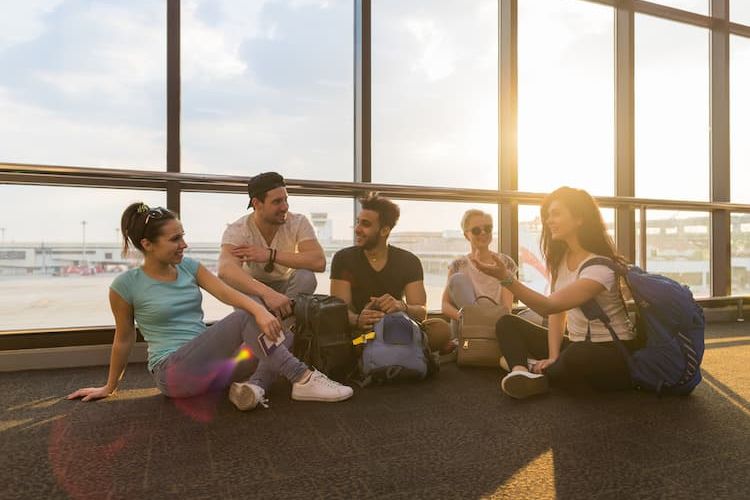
{"x":599,"y":364}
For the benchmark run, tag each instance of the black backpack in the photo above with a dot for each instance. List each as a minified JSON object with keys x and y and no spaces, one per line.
{"x":321,"y":337}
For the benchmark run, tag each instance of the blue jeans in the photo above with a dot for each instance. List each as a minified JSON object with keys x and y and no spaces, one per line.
{"x":300,"y":281}
{"x":461,"y":293}
{"x":208,"y":361}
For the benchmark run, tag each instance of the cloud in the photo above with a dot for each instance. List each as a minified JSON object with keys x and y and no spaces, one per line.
{"x":24,"y":21}
{"x":67,"y":140}
{"x":211,"y":42}
{"x":100,"y":62}
{"x":436,"y":58}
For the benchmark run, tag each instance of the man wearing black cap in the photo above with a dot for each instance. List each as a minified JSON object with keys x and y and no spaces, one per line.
{"x":271,"y":253}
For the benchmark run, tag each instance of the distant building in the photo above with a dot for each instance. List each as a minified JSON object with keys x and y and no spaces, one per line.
{"x":323,"y":226}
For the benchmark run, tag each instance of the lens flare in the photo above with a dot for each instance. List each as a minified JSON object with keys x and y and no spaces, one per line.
{"x":85,"y":464}
{"x":198,"y":392}
{"x":243,"y":354}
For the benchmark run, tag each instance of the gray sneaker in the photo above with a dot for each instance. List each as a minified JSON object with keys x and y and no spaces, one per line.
{"x":320,"y":388}
{"x":246,"y":396}
{"x":521,"y":385}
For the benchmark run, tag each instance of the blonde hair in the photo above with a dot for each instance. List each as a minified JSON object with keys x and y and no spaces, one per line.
{"x":469,"y":214}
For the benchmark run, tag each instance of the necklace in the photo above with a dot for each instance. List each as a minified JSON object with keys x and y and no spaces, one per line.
{"x":372,"y":258}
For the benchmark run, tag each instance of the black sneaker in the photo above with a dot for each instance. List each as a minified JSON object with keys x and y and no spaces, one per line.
{"x":521,"y":384}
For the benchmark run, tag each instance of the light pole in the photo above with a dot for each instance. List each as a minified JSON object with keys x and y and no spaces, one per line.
{"x":83,"y":247}
{"x":2,"y":239}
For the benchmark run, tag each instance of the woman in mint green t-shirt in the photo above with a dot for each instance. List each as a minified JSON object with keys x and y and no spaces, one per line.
{"x":185,"y":357}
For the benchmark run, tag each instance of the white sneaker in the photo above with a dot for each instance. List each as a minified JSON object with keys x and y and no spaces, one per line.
{"x":320,"y":388}
{"x":520,"y":384}
{"x":246,"y":396}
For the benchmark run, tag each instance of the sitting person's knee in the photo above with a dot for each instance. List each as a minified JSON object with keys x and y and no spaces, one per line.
{"x":458,"y":277}
{"x":504,"y":326}
{"x":305,"y":280}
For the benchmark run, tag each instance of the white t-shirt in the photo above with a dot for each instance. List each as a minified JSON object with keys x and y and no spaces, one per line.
{"x":244,"y":231}
{"x":609,"y":300}
{"x":484,"y":285}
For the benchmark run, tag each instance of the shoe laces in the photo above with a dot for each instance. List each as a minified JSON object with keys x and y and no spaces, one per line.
{"x":260,"y":395}
{"x":322,"y":378}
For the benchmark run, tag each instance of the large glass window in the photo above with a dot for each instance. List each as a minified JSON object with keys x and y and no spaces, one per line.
{"x":671,"y":110}
{"x":58,"y":257}
{"x":565,"y":96}
{"x":268,"y":85}
{"x":739,"y":69}
{"x":739,"y":11}
{"x":434,"y":92}
{"x":679,"y":246}
{"x":432,"y":231}
{"x":740,"y":254}
{"x":205,"y":216}
{"x":83,"y":83}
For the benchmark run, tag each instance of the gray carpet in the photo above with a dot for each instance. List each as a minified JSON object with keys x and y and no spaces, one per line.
{"x":455,"y":436}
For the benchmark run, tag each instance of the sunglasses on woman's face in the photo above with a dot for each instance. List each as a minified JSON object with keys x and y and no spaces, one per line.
{"x":155,"y":213}
{"x":477,"y":230}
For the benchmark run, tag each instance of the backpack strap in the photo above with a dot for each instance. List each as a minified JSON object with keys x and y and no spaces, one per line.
{"x":592,"y":310}
{"x":485,"y":297}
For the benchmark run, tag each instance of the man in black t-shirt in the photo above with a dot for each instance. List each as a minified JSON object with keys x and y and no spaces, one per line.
{"x":374,"y":278}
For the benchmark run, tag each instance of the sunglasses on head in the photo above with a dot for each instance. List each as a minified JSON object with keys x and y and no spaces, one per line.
{"x":477,"y":230}
{"x":155,"y":213}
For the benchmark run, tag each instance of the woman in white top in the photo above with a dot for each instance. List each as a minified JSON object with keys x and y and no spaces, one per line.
{"x":573,"y":232}
{"x":466,"y":283}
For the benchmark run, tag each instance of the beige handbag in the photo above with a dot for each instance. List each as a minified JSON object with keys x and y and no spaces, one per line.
{"x":477,"y":343}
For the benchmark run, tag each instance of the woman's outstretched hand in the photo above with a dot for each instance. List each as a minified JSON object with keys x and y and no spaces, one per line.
{"x":91,"y":393}
{"x":497,"y":269}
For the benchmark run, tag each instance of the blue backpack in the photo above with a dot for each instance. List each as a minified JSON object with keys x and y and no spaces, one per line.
{"x":672,"y":324}
{"x":396,"y":349}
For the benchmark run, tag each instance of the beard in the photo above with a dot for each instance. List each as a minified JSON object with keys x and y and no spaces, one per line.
{"x":276,"y":219}
{"x":371,"y":242}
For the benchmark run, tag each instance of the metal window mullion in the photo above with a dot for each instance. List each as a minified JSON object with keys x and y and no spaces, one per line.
{"x":721,"y":251}
{"x":625,"y":129}
{"x":362,"y":94}
{"x":173,"y":102}
{"x":508,"y":124}
{"x":666,"y":12}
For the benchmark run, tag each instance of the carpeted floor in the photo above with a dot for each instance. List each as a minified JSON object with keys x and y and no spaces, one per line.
{"x":454,"y":436}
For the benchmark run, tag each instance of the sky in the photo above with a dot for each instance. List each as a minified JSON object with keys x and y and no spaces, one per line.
{"x":268,"y":85}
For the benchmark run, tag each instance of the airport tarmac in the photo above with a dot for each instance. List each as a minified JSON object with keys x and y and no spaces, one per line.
{"x":44,"y":302}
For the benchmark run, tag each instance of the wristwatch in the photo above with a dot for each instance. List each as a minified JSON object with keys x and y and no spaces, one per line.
{"x":271,"y":259}
{"x":508,"y":280}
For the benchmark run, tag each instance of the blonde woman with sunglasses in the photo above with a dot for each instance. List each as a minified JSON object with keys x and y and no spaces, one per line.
{"x":185,"y":356}
{"x":467,"y":284}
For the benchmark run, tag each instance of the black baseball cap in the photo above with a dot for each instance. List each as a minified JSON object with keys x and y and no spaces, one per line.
{"x":262,"y":183}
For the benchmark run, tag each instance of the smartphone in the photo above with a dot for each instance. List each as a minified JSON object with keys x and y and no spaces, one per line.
{"x":268,"y":345}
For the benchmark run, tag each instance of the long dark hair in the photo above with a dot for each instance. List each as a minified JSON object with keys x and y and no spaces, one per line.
{"x":592,"y":234}
{"x":140,"y":221}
